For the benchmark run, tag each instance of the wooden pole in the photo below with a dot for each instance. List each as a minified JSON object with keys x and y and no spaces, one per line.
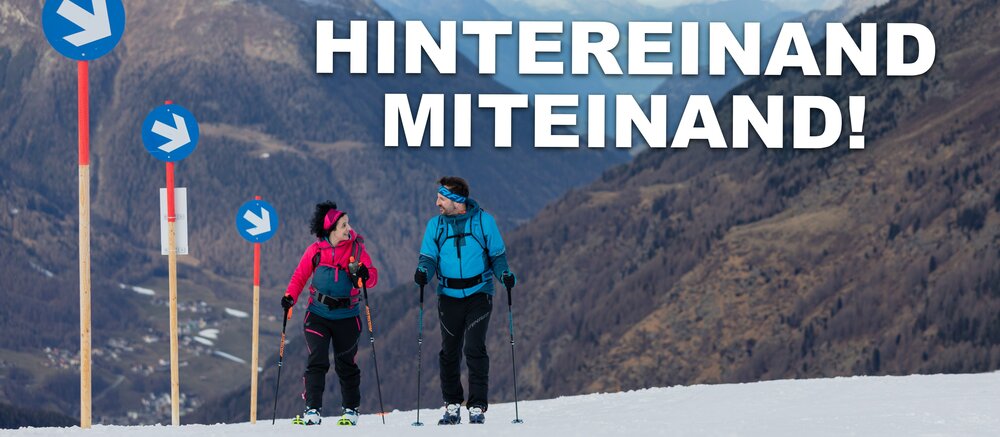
{"x":175,"y":412}
{"x":256,"y":330}
{"x":83,"y":113}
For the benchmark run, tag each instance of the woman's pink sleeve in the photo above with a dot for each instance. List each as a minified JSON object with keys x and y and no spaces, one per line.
{"x":372,"y":271}
{"x":301,"y":274}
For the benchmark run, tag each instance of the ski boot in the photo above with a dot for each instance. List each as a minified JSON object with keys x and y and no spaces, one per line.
{"x":310,"y":417}
{"x":350,"y":417}
{"x":476,"y":415}
{"x":451,"y":415}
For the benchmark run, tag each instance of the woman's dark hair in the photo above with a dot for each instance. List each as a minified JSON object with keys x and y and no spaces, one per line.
{"x":316,"y":225}
{"x":456,"y":185}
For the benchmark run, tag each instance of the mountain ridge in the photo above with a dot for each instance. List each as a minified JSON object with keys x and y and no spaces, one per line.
{"x":245,"y":69}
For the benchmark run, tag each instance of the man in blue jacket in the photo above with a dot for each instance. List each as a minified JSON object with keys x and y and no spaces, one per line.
{"x":463,"y":247}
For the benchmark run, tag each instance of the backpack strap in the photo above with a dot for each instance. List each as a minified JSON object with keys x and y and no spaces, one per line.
{"x":483,"y":244}
{"x":480,"y":240}
{"x":319,"y":256}
{"x":472,"y":232}
{"x":482,"y":232}
{"x":316,"y":257}
{"x":440,"y":232}
{"x":357,"y":246}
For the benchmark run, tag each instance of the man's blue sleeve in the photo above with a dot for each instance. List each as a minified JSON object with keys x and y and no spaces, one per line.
{"x":429,"y":249}
{"x":495,"y":245}
{"x":499,"y":265}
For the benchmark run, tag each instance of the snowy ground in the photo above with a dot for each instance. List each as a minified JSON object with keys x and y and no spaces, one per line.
{"x":936,"y":405}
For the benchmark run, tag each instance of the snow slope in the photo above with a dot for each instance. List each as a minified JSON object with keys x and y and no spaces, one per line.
{"x":917,"y":405}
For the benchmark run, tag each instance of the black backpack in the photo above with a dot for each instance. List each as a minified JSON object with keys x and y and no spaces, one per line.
{"x":480,"y":239}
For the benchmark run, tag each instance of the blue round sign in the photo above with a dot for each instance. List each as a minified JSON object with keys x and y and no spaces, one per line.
{"x":170,"y":133}
{"x":83,"y":29}
{"x":256,"y":221}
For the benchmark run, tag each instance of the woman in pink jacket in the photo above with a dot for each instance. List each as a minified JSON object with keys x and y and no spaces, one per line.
{"x":337,"y":261}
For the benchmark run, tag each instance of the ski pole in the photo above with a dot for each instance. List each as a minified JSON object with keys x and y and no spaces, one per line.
{"x":513,"y":366}
{"x":371,"y":337}
{"x":281,"y":358}
{"x":420,"y":342}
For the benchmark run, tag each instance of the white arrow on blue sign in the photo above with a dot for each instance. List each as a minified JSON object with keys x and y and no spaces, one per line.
{"x":80,"y":33}
{"x":257,"y":221}
{"x":170,"y":133}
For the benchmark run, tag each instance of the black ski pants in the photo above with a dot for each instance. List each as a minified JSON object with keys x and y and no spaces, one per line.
{"x":465,"y":319}
{"x":320,"y":333}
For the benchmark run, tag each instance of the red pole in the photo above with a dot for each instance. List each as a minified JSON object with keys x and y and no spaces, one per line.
{"x":83,"y":143}
{"x":83,"y":106}
{"x":256,"y":264}
{"x":171,"y":216}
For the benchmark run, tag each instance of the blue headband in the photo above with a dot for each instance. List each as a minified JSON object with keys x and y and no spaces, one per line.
{"x":447,"y":193}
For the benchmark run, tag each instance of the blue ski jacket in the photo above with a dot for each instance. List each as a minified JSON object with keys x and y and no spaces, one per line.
{"x":461,"y":248}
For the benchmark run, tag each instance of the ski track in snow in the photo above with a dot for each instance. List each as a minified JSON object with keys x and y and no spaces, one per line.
{"x":204,"y":341}
{"x":236,"y":313}
{"x":141,"y":290}
{"x":144,"y":291}
{"x":232,"y":358}
{"x":211,"y":333}
{"x":48,"y":273}
{"x":916,"y":405}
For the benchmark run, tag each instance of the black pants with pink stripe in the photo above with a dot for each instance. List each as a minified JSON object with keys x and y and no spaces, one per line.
{"x":343,"y":334}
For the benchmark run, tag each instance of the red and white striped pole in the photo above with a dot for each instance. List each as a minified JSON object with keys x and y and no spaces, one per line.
{"x":83,"y":139}
{"x":256,"y":330}
{"x":175,"y":411}
{"x":62,"y":22}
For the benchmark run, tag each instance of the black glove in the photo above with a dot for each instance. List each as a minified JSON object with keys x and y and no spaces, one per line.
{"x":287,"y":302}
{"x":420,"y":277}
{"x":508,"y":279}
{"x":363,"y":273}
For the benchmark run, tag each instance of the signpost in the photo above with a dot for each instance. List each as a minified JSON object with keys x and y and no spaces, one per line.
{"x":256,"y":221}
{"x":77,"y":33}
{"x":170,"y":134}
{"x":180,"y":222}
{"x":84,"y":35}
